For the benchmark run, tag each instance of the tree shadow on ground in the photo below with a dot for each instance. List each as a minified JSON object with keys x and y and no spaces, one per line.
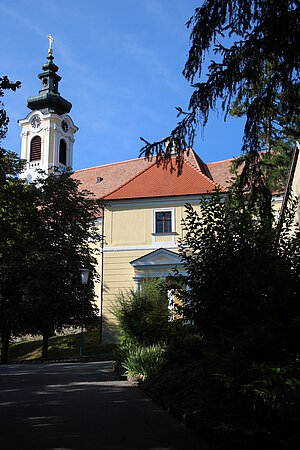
{"x":82,"y":406}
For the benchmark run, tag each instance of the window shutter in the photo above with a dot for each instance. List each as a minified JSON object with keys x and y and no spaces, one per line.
{"x":35,"y":148}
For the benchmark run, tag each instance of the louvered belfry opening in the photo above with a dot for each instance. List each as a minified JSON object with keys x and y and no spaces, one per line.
{"x":62,"y":152}
{"x":35,"y":148}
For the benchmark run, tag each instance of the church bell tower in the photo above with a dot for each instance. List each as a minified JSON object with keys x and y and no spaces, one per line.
{"x":47,"y":131}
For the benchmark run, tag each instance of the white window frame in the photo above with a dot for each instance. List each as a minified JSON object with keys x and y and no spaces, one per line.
{"x":158,"y":210}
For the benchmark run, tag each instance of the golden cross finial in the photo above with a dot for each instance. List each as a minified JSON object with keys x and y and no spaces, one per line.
{"x":50,"y":37}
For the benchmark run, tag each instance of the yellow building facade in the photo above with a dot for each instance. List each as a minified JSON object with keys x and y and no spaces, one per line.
{"x":133,"y":250}
{"x":142,"y":219}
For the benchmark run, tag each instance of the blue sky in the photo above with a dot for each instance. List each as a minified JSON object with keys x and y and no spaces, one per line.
{"x":121,"y":65}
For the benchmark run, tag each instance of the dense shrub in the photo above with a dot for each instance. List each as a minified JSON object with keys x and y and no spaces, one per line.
{"x":234,"y":373}
{"x":143,"y":316}
{"x":244,"y":289}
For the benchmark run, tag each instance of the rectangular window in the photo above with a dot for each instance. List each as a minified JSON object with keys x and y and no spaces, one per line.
{"x":163,"y":222}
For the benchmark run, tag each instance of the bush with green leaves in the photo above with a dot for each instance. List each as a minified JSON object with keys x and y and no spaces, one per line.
{"x":143,"y":316}
{"x":244,"y":286}
{"x":273,"y":389}
{"x":244,"y":303}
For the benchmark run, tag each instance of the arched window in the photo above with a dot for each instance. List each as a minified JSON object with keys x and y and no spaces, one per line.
{"x":62,"y":152}
{"x":35,"y":148}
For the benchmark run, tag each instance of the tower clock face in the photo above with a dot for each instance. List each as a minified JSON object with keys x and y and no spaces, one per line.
{"x":64,"y":126}
{"x":35,"y":121}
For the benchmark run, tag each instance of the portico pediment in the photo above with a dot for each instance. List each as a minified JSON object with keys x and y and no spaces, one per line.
{"x":159,"y":259}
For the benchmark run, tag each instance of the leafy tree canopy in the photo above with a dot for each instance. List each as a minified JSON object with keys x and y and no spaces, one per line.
{"x":47,"y":232}
{"x":244,"y":290}
{"x":16,"y":214}
{"x":64,"y":234}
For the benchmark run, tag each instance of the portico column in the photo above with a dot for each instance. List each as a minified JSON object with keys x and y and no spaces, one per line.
{"x":137,"y":284}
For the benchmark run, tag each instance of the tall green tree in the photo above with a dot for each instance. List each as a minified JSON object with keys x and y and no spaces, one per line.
{"x":65,"y":238}
{"x":16,"y":215}
{"x":244,"y":303}
{"x":47,"y":233}
{"x":244,"y":290}
{"x":277,"y":133}
{"x":243,"y":35}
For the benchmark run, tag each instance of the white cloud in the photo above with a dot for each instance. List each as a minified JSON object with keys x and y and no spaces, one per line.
{"x":25,"y":21}
{"x":149,"y":59}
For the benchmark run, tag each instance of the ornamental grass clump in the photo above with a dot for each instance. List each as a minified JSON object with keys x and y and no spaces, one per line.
{"x":143,"y":362}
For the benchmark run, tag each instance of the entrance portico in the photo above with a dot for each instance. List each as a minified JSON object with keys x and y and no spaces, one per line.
{"x":161,"y":264}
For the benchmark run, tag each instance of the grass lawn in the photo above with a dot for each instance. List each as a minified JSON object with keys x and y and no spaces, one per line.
{"x":65,"y":347}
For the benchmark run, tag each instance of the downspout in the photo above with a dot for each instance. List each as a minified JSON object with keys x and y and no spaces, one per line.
{"x":101,"y":276}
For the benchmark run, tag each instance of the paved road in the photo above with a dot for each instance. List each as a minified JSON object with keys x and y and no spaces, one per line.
{"x":82,"y":406}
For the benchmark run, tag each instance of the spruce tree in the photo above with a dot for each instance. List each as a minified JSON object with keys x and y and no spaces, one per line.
{"x":243,"y":36}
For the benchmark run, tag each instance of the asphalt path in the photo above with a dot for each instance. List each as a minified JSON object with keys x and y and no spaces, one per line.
{"x":80,"y":406}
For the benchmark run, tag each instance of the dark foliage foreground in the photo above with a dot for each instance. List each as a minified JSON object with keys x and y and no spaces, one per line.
{"x":234,"y":404}
{"x":234,"y":373}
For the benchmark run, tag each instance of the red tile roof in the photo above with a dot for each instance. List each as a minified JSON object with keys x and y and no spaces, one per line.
{"x":139,"y":178}
{"x":113,"y":175}
{"x":157,"y":181}
{"x":199,"y":164}
{"x":220,"y":172}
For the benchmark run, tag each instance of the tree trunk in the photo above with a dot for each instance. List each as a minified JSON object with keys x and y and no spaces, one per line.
{"x":5,"y":338}
{"x":45,"y":344}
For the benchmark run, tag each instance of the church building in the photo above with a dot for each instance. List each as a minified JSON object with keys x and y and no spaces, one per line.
{"x":143,"y":203}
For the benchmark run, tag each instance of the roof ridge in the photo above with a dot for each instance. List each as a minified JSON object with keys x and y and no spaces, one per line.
{"x":205,"y":176}
{"x":111,"y":164}
{"x":128,"y":181}
{"x":190,"y":149}
{"x":193,"y":167}
{"x":202,"y":166}
{"x":222,"y":160}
